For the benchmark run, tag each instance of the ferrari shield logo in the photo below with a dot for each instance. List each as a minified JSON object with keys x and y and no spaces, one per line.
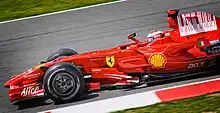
{"x":110,"y":60}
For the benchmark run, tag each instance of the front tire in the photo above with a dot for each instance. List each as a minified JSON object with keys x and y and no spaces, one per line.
{"x":60,"y":53}
{"x":63,"y":82}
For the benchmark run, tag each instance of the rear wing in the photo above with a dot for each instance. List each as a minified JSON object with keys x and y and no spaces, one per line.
{"x":196,"y":22}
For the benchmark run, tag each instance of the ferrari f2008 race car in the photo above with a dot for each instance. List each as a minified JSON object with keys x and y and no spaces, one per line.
{"x":191,"y":46}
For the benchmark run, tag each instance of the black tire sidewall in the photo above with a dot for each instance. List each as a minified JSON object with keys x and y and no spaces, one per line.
{"x":63,"y":68}
{"x":60,"y":53}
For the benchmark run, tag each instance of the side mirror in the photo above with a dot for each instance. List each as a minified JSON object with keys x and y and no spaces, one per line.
{"x":131,"y":36}
{"x":42,"y":62}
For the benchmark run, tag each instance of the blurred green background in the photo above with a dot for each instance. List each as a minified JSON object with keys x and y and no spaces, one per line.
{"x":14,"y":9}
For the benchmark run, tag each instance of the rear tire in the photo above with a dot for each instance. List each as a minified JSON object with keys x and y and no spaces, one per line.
{"x":60,"y":53}
{"x":63,"y":82}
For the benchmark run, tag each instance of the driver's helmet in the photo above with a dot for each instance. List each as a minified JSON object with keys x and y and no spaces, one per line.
{"x":154,"y":35}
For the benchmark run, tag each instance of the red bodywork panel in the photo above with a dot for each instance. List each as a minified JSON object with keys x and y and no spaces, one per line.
{"x":175,"y":52}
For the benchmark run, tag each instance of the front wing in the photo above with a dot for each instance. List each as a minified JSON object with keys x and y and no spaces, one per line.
{"x":25,"y":92}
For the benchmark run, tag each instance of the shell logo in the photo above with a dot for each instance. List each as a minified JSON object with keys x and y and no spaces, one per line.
{"x":157,"y":60}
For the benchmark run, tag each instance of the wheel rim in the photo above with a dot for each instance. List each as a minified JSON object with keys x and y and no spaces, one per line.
{"x":64,"y":84}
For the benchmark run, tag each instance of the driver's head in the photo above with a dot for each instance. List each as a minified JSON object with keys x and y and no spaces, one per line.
{"x":153,"y":35}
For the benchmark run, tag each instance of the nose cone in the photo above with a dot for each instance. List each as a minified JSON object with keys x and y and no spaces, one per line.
{"x":6,"y":84}
{"x":14,"y":80}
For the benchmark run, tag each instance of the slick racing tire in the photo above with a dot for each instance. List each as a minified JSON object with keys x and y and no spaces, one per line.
{"x":63,"y":82}
{"x":60,"y":53}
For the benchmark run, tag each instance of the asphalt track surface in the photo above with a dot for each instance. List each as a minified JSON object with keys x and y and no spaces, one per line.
{"x":23,"y":44}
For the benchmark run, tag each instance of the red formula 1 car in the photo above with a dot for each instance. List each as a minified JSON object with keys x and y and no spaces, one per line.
{"x":191,"y":46}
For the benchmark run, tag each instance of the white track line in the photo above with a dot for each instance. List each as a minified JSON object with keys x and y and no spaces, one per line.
{"x":112,"y":104}
{"x":119,"y":103}
{"x":75,"y":9}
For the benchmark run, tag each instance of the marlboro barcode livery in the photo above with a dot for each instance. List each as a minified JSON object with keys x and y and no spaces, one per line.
{"x":196,"y":22}
{"x":192,"y":47}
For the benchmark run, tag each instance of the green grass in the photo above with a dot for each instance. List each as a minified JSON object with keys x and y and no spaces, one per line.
{"x":202,"y":104}
{"x":14,"y":9}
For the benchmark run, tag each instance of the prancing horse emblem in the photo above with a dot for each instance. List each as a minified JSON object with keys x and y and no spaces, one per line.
{"x":110,"y":60}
